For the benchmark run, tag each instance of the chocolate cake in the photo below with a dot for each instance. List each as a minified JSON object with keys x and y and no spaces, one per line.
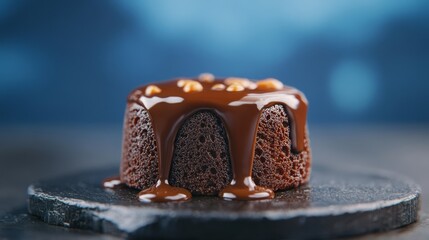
{"x":232,"y":137}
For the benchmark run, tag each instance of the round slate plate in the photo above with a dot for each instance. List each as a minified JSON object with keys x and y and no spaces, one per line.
{"x":335,"y":203}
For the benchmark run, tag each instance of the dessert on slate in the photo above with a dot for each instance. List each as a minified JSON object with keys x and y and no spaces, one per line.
{"x":231,"y":137}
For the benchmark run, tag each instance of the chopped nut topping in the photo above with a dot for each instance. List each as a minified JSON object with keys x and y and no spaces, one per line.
{"x":206,"y":77}
{"x":252,"y":85}
{"x":235,"y":87}
{"x":236,"y":80}
{"x":218,"y":87}
{"x":152,"y":90}
{"x":246,"y":83}
{"x":269,"y":84}
{"x":193,"y":87}
{"x":190,"y":85}
{"x":183,"y":82}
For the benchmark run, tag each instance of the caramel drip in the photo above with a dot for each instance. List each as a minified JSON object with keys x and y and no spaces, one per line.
{"x":239,"y":109}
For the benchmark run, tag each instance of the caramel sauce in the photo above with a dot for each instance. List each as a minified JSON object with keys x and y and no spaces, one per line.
{"x":239,"y":106}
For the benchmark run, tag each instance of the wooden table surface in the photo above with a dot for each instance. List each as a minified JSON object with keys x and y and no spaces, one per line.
{"x":28,"y":154}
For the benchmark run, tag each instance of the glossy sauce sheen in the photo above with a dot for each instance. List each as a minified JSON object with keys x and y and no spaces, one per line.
{"x":240,"y":112}
{"x":112,"y":182}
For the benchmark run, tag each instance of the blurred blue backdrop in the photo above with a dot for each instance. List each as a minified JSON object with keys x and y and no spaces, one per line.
{"x":74,"y":62}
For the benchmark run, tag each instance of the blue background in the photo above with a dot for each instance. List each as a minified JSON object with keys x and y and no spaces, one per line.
{"x":74,"y":62}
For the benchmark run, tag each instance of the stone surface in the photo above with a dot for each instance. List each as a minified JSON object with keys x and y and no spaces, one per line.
{"x":336,"y":202}
{"x":18,"y":224}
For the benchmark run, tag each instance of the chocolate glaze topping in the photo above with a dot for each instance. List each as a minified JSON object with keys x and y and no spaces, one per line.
{"x":238,"y":102}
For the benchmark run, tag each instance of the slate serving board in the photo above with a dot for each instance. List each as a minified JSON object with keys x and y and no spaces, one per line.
{"x":336,"y":202}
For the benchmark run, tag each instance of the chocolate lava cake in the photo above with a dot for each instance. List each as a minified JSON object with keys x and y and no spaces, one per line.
{"x":232,"y":137}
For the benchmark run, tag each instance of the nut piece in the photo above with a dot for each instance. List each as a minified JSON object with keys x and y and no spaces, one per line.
{"x":235,"y":88}
{"x":183,"y":82}
{"x":190,"y":85}
{"x":252,"y":85}
{"x":269,"y":84}
{"x":218,"y":87}
{"x":246,"y":83}
{"x":193,"y":87}
{"x":152,"y":90}
{"x":206,"y":77}
{"x":235,"y":80}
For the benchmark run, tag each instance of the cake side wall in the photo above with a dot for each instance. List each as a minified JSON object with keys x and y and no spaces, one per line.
{"x":203,"y":165}
{"x":275,"y":165}
{"x":139,"y":164}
